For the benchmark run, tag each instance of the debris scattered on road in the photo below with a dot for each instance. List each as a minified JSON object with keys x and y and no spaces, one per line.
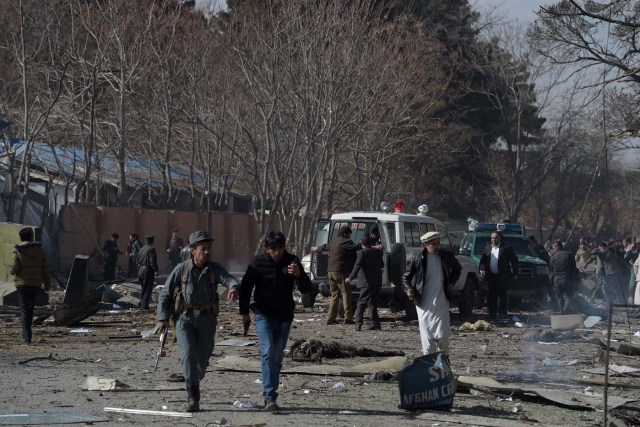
{"x":591,"y":321}
{"x":149,"y":412}
{"x":80,"y":331}
{"x":480,"y":325}
{"x":555,"y":362}
{"x":249,"y":404}
{"x":102,"y":384}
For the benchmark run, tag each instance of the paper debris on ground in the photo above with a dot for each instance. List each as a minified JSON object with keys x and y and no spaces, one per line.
{"x":571,"y":399}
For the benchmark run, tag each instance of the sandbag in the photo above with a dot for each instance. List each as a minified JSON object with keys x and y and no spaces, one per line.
{"x":427,"y":383}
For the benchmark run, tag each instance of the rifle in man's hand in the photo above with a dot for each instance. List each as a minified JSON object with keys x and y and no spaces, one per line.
{"x":163,"y":340}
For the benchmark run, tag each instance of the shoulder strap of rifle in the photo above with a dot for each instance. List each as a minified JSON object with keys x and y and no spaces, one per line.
{"x":186,"y":269}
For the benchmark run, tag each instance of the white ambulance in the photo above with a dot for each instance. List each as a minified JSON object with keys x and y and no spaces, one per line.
{"x":400,"y":236}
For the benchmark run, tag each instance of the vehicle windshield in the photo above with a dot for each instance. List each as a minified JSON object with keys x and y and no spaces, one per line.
{"x":519,"y":245}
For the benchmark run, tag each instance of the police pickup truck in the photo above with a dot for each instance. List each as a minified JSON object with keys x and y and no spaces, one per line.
{"x":400,"y":237}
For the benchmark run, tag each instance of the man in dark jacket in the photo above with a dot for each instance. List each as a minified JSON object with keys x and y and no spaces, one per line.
{"x":342,"y":257}
{"x":147,"y":271}
{"x":564,"y":276}
{"x":111,"y":253}
{"x":499,"y":265}
{"x":429,"y":283}
{"x":613,"y":268}
{"x":368,"y":270}
{"x":133,"y":249}
{"x":271,"y":277}
{"x":30,"y":271}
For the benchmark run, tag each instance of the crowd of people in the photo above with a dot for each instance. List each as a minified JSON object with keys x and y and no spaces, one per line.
{"x":189,"y":300}
{"x":613,"y":265}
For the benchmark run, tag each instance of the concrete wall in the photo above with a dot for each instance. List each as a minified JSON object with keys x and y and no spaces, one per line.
{"x":86,"y":227}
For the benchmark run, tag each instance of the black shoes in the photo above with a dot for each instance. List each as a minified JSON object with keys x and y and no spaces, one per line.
{"x":271,"y":406}
{"x":331,"y":322}
{"x":349,"y":322}
{"x":374,"y":328}
{"x":193,"y":401}
{"x":358,"y":327}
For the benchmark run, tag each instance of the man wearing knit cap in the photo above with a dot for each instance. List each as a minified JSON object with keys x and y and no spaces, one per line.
{"x":429,"y":283}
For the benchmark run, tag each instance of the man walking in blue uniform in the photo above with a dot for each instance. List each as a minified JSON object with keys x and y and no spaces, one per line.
{"x":190,"y":297}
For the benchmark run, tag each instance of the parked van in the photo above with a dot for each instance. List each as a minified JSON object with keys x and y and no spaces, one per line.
{"x":400,"y":237}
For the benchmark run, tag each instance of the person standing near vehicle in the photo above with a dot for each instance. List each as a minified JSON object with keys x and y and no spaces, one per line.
{"x":368,"y":270}
{"x":342,"y":256}
{"x":539,"y":250}
{"x":30,"y":272}
{"x":111,"y":253}
{"x":271,"y":278}
{"x":429,"y":283}
{"x":147,"y":271}
{"x":564,"y":277}
{"x":499,"y":265}
{"x":174,"y":246}
{"x":612,"y":266}
{"x":190,"y":297}
{"x":133,"y":249}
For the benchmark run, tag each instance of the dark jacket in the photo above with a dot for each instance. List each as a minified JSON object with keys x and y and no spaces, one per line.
{"x":148,"y":258}
{"x":134,"y":250}
{"x":368,"y":268}
{"x":563,"y":270}
{"x":273,"y":296}
{"x":451,"y":270}
{"x":111,"y":251}
{"x":29,"y":265}
{"x":507,"y":261}
{"x":342,"y":254}
{"x":613,"y":263}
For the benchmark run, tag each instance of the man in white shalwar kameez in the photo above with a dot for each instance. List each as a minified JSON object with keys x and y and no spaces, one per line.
{"x":429,"y":282}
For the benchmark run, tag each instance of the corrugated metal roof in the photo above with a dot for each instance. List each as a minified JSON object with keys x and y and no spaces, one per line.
{"x":139,"y":169}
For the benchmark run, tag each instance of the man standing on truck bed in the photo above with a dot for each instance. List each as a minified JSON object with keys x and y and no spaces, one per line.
{"x":342,"y":257}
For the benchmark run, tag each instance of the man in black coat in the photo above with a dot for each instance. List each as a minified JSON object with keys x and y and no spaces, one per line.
{"x":147,"y":271}
{"x":111,"y":253}
{"x":564,"y":276}
{"x":368,"y":270}
{"x":499,"y":265}
{"x":271,"y":277}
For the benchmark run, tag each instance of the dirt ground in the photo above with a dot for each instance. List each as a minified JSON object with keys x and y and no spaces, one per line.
{"x":45,"y":377}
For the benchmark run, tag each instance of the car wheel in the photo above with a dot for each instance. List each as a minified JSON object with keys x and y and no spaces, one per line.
{"x":467,"y":298}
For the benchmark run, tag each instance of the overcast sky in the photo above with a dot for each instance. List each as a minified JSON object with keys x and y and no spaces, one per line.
{"x":520,"y":10}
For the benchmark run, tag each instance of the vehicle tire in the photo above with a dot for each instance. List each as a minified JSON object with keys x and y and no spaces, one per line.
{"x":397,"y":263}
{"x":467,"y":298}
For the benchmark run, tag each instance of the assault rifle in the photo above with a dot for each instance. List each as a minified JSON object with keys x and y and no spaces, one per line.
{"x":163,"y":339}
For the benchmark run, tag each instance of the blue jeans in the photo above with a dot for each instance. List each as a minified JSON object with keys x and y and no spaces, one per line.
{"x":273,"y":335}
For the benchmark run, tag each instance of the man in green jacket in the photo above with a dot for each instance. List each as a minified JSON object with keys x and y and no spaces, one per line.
{"x":30,"y":271}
